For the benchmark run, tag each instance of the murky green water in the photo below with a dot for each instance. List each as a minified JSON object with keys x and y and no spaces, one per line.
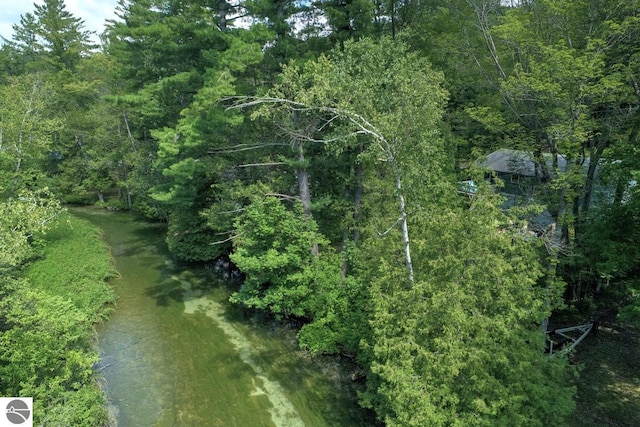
{"x":176,"y":353}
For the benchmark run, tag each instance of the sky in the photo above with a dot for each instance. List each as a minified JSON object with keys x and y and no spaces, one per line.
{"x":93,"y":12}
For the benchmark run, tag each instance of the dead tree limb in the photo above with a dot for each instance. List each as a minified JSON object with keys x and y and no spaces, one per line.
{"x":363,"y":127}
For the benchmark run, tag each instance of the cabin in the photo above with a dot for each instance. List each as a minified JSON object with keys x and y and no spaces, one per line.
{"x":520,"y":174}
{"x":518,"y":171}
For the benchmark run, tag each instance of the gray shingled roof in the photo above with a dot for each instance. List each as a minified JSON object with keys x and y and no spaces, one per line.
{"x":518,"y":162}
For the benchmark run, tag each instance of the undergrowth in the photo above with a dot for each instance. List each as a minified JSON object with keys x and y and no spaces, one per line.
{"x":47,"y":348}
{"x":609,"y":383}
{"x":75,"y":265}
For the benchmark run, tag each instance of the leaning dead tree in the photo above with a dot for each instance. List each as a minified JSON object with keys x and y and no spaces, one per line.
{"x":359,"y":125}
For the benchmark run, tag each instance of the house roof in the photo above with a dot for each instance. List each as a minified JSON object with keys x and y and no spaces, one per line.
{"x":519,"y":162}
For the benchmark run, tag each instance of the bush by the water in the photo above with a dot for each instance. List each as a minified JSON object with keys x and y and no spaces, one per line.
{"x":46,"y":326}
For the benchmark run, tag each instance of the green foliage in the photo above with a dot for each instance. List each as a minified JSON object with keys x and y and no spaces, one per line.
{"x":143,"y":123}
{"x":610,"y":240}
{"x":462,"y":347}
{"x":280,"y":43}
{"x":46,"y":354}
{"x":25,"y":123}
{"x":92,"y":152}
{"x":349,"y":20}
{"x":630,"y":313}
{"x":167,"y":37}
{"x":560,"y":83}
{"x":385,"y":112}
{"x":273,"y":250}
{"x":183,"y":156}
{"x":339,"y":312}
{"x":72,"y":243}
{"x":51,"y":38}
{"x":22,"y":217}
{"x":46,"y":342}
{"x":62,"y":34}
{"x":189,"y":237}
{"x":41,"y":349}
{"x":448,"y":347}
{"x":83,"y":407}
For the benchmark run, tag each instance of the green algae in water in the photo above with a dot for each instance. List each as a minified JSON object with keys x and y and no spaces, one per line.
{"x":176,"y":353}
{"x":282,"y":411}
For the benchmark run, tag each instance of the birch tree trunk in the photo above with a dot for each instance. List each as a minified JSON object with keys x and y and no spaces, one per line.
{"x":404,"y":228}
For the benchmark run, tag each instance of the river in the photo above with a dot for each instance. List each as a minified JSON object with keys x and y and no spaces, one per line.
{"x":175,"y":352}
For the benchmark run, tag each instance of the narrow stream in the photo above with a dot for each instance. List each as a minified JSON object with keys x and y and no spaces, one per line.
{"x":175,"y":352}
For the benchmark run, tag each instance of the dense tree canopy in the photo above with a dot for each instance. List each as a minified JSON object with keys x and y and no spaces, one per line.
{"x":320,"y":147}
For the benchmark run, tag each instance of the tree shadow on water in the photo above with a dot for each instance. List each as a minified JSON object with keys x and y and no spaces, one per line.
{"x":181,"y":282}
{"x":144,"y":239}
{"x":320,"y":386}
{"x":126,"y":233}
{"x":165,"y":291}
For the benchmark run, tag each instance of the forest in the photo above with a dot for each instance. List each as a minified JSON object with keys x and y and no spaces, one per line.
{"x":320,"y":147}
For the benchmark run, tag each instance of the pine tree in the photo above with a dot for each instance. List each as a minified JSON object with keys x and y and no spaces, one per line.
{"x":61,"y":36}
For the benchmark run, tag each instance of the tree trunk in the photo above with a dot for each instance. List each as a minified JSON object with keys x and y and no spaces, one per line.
{"x":590,"y":178}
{"x":129,"y":204}
{"x":303,"y":186}
{"x":127,"y":189}
{"x":353,"y":224}
{"x":618,"y":195}
{"x":405,"y":228}
{"x":223,"y":9}
{"x":393,"y":19}
{"x":131,"y":140}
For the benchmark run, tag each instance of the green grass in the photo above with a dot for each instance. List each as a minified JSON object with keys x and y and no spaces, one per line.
{"x":609,"y":383}
{"x":49,"y":353}
{"x":75,"y":266}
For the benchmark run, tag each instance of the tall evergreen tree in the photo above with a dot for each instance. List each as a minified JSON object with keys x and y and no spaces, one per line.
{"x":61,"y":37}
{"x":22,"y":49}
{"x":348,"y":20}
{"x":462,"y":347}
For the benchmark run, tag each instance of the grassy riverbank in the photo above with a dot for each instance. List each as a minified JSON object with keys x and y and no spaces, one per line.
{"x":47,"y":339}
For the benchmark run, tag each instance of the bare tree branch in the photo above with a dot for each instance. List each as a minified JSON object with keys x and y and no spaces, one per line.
{"x":248,"y":165}
{"x":282,"y":196}
{"x":246,"y":147}
{"x":219,"y":242}
{"x":363,"y":126}
{"x":232,"y":211}
{"x":389,"y":229}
